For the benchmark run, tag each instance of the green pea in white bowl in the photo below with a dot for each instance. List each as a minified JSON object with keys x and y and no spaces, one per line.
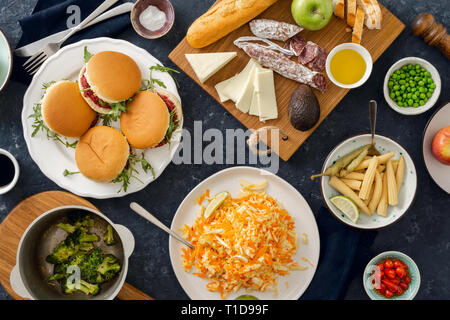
{"x":431,"y":100}
{"x":6,"y":60}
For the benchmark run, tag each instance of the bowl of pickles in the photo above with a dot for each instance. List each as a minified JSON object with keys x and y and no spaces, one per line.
{"x":368,"y":187}
{"x":412,"y":86}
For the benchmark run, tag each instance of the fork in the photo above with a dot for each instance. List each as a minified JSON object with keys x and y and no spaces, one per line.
{"x":34,"y":62}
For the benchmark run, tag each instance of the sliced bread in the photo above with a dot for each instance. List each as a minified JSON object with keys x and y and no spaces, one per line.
{"x":377,"y":9}
{"x":370,"y":17}
{"x":339,"y":8}
{"x":351,"y":12}
{"x":359,"y":25}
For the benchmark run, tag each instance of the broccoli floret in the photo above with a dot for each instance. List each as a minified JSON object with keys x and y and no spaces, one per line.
{"x":90,"y":264}
{"x":85,"y":287}
{"x":81,"y":235}
{"x":61,"y":253}
{"x":108,"y":237}
{"x":80,"y":219}
{"x":68,"y":287}
{"x":67,"y":227}
{"x":57,"y":276}
{"x":89,"y":288}
{"x":109,"y":267}
{"x":85,"y":246}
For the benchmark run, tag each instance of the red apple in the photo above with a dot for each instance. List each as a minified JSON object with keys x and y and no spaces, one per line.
{"x":441,"y":145}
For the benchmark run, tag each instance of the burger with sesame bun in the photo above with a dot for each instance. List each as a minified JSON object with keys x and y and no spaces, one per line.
{"x":108,"y":81}
{"x":151,"y":119}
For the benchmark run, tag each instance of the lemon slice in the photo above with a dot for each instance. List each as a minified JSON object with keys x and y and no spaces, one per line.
{"x":347,"y":206}
{"x":246,"y":297}
{"x":215,"y":203}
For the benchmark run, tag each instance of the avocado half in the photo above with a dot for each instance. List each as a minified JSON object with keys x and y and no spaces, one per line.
{"x":303,"y":109}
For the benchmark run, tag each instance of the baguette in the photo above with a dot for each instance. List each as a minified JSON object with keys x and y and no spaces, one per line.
{"x":222,"y":18}
{"x":358,"y":28}
{"x":351,"y":12}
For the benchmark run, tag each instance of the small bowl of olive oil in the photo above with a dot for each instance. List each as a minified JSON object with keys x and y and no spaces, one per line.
{"x":349,"y":65}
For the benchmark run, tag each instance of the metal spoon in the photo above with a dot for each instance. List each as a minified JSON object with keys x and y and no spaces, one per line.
{"x":148,"y":216}
{"x":373,"y":119}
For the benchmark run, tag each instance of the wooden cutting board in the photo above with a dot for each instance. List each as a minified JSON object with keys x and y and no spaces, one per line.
{"x":14,"y":225}
{"x":375,"y":41}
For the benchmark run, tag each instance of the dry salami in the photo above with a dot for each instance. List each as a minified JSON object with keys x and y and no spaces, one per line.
{"x":297,"y":44}
{"x":274,"y":30}
{"x":281,"y":64}
{"x":318,"y":64}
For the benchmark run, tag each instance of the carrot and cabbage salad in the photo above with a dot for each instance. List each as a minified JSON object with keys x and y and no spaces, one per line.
{"x":247,"y":243}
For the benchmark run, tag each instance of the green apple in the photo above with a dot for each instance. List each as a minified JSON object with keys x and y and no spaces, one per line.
{"x":312,"y":14}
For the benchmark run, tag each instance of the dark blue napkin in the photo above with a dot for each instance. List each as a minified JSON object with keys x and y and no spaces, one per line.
{"x":50,"y":16}
{"x":338,"y":247}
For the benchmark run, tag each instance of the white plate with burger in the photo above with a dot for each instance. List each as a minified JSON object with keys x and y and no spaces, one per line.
{"x":436,"y":147}
{"x":102,"y":118}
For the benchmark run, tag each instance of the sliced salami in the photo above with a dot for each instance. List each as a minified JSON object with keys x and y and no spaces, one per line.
{"x":297,"y":44}
{"x":281,"y":64}
{"x":318,"y":64}
{"x":309,"y":53}
{"x":274,"y":30}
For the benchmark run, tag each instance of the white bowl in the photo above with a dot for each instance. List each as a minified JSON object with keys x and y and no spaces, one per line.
{"x":8,"y":187}
{"x":362,"y":51}
{"x":406,"y":194}
{"x":431,"y":101}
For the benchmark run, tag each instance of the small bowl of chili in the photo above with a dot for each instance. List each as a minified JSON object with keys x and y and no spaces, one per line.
{"x":391,"y":275}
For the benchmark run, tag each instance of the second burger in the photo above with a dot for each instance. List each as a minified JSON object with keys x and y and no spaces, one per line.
{"x":151,"y":119}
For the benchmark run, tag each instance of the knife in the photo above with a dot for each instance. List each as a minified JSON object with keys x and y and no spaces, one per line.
{"x":34,"y":47}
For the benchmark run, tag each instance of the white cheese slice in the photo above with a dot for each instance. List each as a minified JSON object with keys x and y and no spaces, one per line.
{"x":207,"y":64}
{"x":244,"y":101}
{"x":253,"y":110}
{"x":265,"y":95}
{"x":234,"y":89}
{"x":220,"y":88}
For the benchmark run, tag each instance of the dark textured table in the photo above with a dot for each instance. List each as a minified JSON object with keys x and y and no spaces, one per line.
{"x":422,"y":233}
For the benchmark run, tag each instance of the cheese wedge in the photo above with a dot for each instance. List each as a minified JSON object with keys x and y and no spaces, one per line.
{"x":207,"y":64}
{"x":359,"y":25}
{"x":265,"y":95}
{"x":351,"y":12}
{"x":233,"y":90}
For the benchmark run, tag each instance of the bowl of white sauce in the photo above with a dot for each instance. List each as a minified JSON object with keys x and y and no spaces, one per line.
{"x":152,"y":19}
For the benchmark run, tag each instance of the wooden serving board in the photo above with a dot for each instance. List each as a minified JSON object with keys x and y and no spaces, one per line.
{"x":14,"y":225}
{"x":375,"y":41}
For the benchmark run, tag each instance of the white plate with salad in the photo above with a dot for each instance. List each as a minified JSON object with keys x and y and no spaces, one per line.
{"x":250,"y":232}
{"x":55,"y":157}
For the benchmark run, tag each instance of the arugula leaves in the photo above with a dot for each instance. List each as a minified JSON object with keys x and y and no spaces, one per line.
{"x":128,"y":172}
{"x":87,"y":55}
{"x":150,"y":83}
{"x":173,"y":125}
{"x":69,"y":173}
